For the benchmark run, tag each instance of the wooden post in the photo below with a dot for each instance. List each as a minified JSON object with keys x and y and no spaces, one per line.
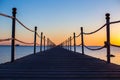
{"x":66,"y":45}
{"x":47,"y":43}
{"x":35,"y":40}
{"x":82,"y":40}
{"x":70,"y":43}
{"x":108,"y":36}
{"x":41,"y":42}
{"x":44,"y":43}
{"x":13,"y":35}
{"x":74,"y":42}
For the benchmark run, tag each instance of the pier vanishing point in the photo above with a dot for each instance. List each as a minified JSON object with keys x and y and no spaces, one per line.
{"x":57,"y":62}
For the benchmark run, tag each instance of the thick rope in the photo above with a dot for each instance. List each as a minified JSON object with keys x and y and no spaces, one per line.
{"x":38,"y":35}
{"x":23,"y":41}
{"x":95,"y":48}
{"x":8,"y":39}
{"x":79,"y":45}
{"x":114,"y":45}
{"x":115,"y":22}
{"x":78,"y":35}
{"x":95,"y":30}
{"x":17,"y":21}
{"x":37,"y":44}
{"x":5,"y":15}
{"x":24,"y":25}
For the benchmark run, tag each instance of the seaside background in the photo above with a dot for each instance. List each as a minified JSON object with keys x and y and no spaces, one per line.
{"x":58,"y":19}
{"x":5,"y":53}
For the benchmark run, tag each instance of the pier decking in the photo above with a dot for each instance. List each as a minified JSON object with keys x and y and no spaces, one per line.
{"x":59,"y":64}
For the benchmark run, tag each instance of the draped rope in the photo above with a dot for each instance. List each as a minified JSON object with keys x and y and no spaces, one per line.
{"x":78,"y":35}
{"x":79,"y":45}
{"x":95,"y":30}
{"x":95,"y":48}
{"x":5,"y":15}
{"x":24,"y":25}
{"x":23,"y":41}
{"x":115,"y":45}
{"x":8,"y":39}
{"x":37,"y":44}
{"x":115,"y":22}
{"x":38,"y":35}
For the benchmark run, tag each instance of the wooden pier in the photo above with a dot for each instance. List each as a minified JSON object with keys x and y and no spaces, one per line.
{"x":59,"y":64}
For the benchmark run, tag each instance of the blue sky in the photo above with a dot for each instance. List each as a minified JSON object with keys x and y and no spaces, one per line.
{"x":58,"y":19}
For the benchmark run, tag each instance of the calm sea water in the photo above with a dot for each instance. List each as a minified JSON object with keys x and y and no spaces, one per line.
{"x":5,"y":53}
{"x":20,"y":51}
{"x":101,"y":54}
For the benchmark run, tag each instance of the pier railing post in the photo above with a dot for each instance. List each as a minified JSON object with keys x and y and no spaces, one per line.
{"x":74,"y":42}
{"x":13,"y":35}
{"x":66,"y":44}
{"x":82,"y":40}
{"x":70,"y":43}
{"x":35,"y":40}
{"x":108,"y":36}
{"x":41,"y":42}
{"x":47,"y":43}
{"x":44,"y":43}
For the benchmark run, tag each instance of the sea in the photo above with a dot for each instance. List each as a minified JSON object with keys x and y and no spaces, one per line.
{"x":21,"y":51}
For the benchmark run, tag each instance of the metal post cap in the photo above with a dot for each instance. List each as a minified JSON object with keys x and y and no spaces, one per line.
{"x":14,"y":10}
{"x":107,"y":15}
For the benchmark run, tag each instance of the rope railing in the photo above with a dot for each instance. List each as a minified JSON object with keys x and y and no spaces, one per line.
{"x":13,"y":39}
{"x":8,"y":39}
{"x":38,"y":35}
{"x":24,"y":25}
{"x":95,"y":30}
{"x":5,"y":15}
{"x":93,"y":49}
{"x":107,"y":43}
{"x":115,"y":22}
{"x":115,"y":45}
{"x":79,"y":45}
{"x":23,"y":41}
{"x":78,"y":35}
{"x":67,"y":42}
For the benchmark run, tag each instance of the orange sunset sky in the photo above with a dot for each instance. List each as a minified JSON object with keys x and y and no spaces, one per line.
{"x":58,"y":19}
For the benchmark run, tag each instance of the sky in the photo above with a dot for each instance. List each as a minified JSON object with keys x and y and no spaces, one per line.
{"x":58,"y":19}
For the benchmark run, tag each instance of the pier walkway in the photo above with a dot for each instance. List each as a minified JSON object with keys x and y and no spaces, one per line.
{"x":59,"y":64}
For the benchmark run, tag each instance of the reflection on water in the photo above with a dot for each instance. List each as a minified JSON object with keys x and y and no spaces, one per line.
{"x":5,"y":53}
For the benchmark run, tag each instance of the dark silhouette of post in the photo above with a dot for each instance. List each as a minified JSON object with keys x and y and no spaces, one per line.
{"x":74,"y":42}
{"x":82,"y":40}
{"x":108,"y":36}
{"x":47,"y":43}
{"x":66,"y":44}
{"x":41,"y":42}
{"x":70,"y":43}
{"x":44,"y":43}
{"x":13,"y":35}
{"x":35,"y":40}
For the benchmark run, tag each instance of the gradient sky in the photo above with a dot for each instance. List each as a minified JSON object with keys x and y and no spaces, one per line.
{"x":58,"y":19}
